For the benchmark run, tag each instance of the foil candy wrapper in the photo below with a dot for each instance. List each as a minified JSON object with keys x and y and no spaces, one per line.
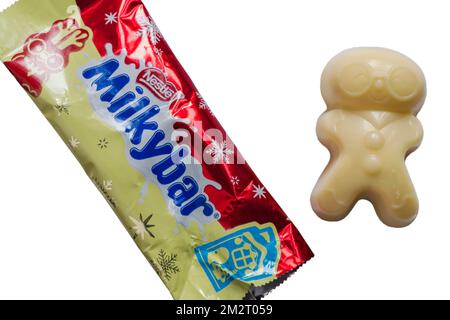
{"x":103,"y":75}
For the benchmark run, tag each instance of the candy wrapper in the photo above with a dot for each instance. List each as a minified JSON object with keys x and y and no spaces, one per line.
{"x":102,"y":74}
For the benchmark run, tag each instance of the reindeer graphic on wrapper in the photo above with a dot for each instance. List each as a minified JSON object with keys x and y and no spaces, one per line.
{"x":47,"y":53}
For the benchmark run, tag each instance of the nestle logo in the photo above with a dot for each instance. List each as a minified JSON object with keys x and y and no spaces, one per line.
{"x":154,"y":80}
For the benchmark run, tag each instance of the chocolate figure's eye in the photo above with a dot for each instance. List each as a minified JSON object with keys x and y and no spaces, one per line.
{"x":37,"y":46}
{"x":355,"y":79}
{"x":403,"y":84}
{"x":55,"y":62}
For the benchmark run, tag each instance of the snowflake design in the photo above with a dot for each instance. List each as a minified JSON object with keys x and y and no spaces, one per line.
{"x":259,"y":191}
{"x":159,"y":52}
{"x":149,"y":29}
{"x":103,"y":143}
{"x":61,"y":108}
{"x":142,"y":227}
{"x":108,"y":184}
{"x":235,"y":180}
{"x":220,"y":152}
{"x":201,"y":102}
{"x":111,"y":18}
{"x":168,"y":264}
{"x":74,"y":142}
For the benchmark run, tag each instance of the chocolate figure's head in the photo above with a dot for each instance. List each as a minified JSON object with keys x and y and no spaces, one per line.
{"x":373,"y":79}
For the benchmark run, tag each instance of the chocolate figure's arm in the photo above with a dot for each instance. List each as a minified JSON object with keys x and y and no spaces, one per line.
{"x":416,"y":134}
{"x":406,"y":134}
{"x":340,"y":129}
{"x":327,"y":128}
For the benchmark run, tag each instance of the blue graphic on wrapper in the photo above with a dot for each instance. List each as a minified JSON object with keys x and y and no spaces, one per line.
{"x":248,"y":255}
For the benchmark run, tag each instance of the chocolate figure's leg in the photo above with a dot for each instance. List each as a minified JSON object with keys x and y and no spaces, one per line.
{"x":394,"y":197}
{"x":336,"y":192}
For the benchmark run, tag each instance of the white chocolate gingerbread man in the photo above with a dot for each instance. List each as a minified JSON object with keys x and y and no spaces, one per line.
{"x":373,"y":96}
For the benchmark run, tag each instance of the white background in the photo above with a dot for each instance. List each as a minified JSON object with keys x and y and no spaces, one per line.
{"x":258,"y":64}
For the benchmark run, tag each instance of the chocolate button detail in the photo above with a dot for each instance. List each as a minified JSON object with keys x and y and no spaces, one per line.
{"x":374,"y":140}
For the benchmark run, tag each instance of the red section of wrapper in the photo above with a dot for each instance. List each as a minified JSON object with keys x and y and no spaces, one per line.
{"x":238,"y":203}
